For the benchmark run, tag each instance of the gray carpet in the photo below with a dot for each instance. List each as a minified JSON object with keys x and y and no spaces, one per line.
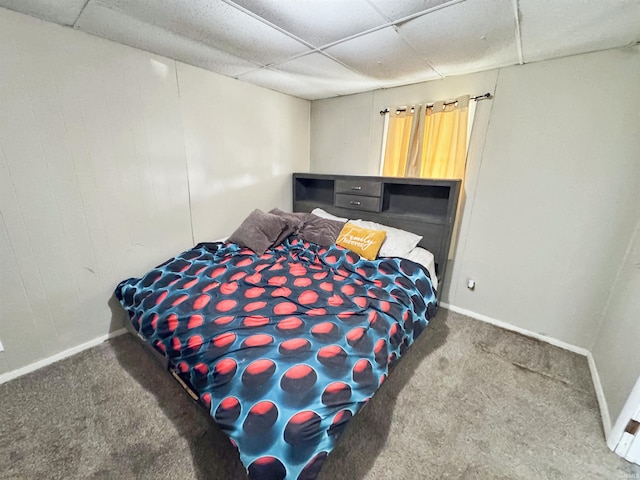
{"x":467,"y":401}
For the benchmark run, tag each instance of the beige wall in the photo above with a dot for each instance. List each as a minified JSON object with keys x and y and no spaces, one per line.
{"x":242,"y":143}
{"x":97,"y":141}
{"x":552,"y":174}
{"x":616,"y":351}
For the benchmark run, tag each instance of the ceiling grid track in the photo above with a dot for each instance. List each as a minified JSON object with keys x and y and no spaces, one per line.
{"x":275,"y":27}
{"x":418,"y":54}
{"x":516,"y":12}
{"x":390,"y":24}
{"x":323,"y":49}
{"x":73,"y":25}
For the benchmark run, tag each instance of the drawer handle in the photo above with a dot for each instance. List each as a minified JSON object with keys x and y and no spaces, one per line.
{"x":354,"y":187}
{"x":353,"y":202}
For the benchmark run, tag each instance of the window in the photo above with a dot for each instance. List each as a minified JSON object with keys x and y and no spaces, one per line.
{"x":427,"y":141}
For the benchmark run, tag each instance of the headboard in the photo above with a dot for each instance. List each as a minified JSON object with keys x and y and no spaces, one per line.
{"x":423,"y":206}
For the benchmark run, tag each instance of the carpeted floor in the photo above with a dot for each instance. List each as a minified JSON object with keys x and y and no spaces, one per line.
{"x":468,"y":401}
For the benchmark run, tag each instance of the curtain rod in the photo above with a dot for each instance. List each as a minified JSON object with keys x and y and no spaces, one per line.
{"x":484,"y":96}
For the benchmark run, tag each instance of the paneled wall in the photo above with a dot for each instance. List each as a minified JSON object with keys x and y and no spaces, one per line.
{"x":100,"y":146}
{"x":257,"y":137}
{"x":551,"y":184}
{"x":616,"y":351}
{"x":551,"y":204}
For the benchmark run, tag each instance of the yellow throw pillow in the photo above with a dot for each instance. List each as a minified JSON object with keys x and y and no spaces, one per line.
{"x":365,"y":242}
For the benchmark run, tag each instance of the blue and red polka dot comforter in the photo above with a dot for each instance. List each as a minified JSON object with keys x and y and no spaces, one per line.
{"x":284,"y":348}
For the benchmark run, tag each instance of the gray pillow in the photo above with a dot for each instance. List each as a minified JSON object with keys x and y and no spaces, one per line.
{"x":294,"y":220}
{"x":322,"y":231}
{"x":258,"y":231}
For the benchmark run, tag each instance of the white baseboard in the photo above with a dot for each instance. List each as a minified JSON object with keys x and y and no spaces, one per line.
{"x":602,"y":401}
{"x":597,"y":385}
{"x":5,"y":377}
{"x":513,"y":328}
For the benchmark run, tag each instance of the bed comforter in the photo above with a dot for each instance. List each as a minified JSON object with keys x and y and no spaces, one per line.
{"x":283,"y":349}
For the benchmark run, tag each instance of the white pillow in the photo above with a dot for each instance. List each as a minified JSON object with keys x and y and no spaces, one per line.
{"x":398,"y":242}
{"x":321,"y":213}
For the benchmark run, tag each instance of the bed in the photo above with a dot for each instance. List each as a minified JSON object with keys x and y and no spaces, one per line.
{"x":282,"y":346}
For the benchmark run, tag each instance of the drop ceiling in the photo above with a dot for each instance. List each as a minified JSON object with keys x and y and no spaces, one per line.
{"x":324,"y":48}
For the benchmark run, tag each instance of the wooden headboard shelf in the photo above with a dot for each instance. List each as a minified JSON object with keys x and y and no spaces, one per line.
{"x":423,"y":206}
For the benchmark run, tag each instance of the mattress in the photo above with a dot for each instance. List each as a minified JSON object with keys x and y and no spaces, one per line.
{"x":282,"y":349}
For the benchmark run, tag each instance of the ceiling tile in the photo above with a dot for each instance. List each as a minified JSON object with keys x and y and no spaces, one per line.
{"x":216,"y":24}
{"x":395,"y":10}
{"x":319,"y":22}
{"x":321,"y":74}
{"x":456,"y":36}
{"x":63,"y":12}
{"x":108,"y":23}
{"x":385,"y":56}
{"x":327,"y":74}
{"x":285,"y":83}
{"x":553,"y":29}
{"x":466,"y":37}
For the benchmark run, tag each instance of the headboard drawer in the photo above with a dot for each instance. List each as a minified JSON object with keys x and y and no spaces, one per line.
{"x":358,"y":202}
{"x":368,"y":188}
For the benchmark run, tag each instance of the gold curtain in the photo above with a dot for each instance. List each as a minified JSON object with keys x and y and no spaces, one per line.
{"x":445,"y":140}
{"x":428,"y":145}
{"x":397,"y":146}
